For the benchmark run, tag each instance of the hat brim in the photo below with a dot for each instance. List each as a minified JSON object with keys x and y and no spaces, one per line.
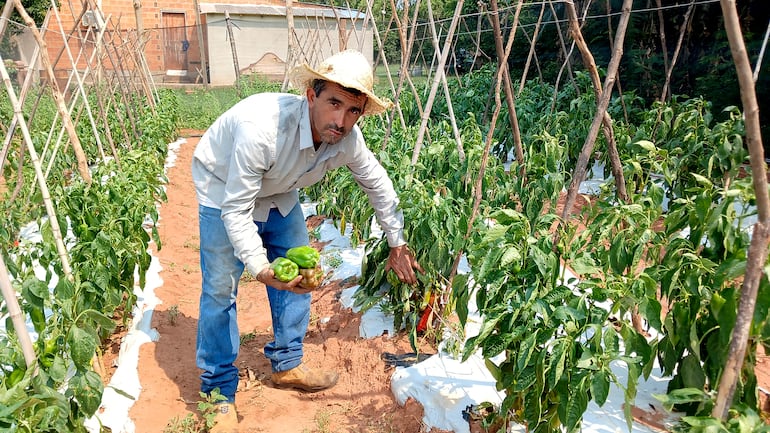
{"x":302,"y":76}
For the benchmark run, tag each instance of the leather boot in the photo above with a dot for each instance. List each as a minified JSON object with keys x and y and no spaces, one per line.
{"x":307,"y":379}
{"x":226,"y":419}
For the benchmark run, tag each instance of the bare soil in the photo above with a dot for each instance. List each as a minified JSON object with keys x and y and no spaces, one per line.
{"x":361,"y":401}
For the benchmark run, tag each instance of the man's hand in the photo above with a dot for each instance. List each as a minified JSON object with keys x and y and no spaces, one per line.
{"x":267,"y":276}
{"x":403,"y":264}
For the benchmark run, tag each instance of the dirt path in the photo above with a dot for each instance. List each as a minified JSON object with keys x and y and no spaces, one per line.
{"x":362,"y":400}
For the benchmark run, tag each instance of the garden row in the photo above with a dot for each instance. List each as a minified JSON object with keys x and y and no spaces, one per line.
{"x":672,"y":256}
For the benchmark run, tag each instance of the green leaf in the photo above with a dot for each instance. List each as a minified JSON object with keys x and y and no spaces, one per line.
{"x":600,"y":387}
{"x":584,"y":265}
{"x":646,"y":145}
{"x":82,"y":346}
{"x":100,"y":319}
{"x":87,"y":387}
{"x":556,"y":362}
{"x":526,"y":350}
{"x":692,"y":372}
{"x":34,"y":291}
{"x":64,"y":289}
{"x":58,"y":370}
{"x":510,"y":255}
{"x":507,"y":216}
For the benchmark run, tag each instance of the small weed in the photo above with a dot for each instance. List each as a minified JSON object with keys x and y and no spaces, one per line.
{"x":192,"y":243}
{"x":245,"y":338}
{"x":334,"y":260}
{"x":246,"y":276}
{"x":188,"y":424}
{"x":173,"y":314}
{"x":188,"y":269}
{"x":315,"y":234}
{"x":322,"y":421}
{"x":208,"y":406}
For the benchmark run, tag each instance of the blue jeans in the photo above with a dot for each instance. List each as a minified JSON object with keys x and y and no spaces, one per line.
{"x":218,"y":338}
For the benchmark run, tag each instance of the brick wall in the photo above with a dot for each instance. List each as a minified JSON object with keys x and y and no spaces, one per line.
{"x":169,"y":27}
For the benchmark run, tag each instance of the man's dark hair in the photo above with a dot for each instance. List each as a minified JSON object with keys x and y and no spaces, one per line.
{"x":319,"y":85}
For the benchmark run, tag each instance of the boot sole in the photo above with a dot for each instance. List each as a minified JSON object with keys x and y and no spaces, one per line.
{"x":302,"y":387}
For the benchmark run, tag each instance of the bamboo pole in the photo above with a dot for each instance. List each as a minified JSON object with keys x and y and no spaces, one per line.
{"x":502,"y":63}
{"x":531,"y":53}
{"x":17,"y":316}
{"x":104,"y":79}
{"x":76,"y":74}
{"x":436,"y":81}
{"x":406,"y":53}
{"x":291,"y":50}
{"x":82,"y":161}
{"x":609,"y":134}
{"x":233,"y":51}
{"x":477,"y":188}
{"x":6,"y":15}
{"x":757,"y":255}
{"x":567,"y":63}
{"x":665,"y":93}
{"x":24,"y":88}
{"x":50,"y":210}
{"x":201,"y":47}
{"x":601,"y":108}
{"x":100,"y":100}
{"x":447,"y":95}
{"x":758,"y":64}
{"x":381,"y":49}
{"x":617,"y":83}
{"x":135,"y":52}
{"x":663,"y":43}
{"x":123,"y":85}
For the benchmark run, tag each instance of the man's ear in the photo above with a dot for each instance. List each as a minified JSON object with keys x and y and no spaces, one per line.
{"x":310,"y":93}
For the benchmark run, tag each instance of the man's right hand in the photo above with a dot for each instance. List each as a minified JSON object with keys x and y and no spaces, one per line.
{"x":267,"y":276}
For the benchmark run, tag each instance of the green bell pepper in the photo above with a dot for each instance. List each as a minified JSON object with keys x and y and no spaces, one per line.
{"x":305,"y":257}
{"x":285,"y":270}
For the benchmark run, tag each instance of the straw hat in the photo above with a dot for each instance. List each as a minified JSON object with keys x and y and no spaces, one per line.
{"x":347,"y":68}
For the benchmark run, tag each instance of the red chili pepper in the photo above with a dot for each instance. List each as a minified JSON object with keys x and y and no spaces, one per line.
{"x":427,"y":313}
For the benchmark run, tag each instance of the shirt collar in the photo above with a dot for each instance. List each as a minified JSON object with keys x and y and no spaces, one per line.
{"x":305,"y":133}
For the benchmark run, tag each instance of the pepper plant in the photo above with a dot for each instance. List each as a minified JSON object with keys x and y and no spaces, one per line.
{"x":109,"y":225}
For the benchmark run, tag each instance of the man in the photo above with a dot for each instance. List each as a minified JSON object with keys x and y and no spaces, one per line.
{"x":247,"y":169}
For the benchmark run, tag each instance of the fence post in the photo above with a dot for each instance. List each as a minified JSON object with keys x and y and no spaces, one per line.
{"x":235,"y":53}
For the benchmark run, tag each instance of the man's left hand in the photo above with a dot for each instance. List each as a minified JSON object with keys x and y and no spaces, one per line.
{"x":402,"y":262}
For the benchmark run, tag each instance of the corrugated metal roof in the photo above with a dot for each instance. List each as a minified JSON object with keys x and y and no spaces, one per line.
{"x":300,"y":9}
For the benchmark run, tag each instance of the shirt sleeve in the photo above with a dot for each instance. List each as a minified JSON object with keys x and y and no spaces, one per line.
{"x":251,"y":157}
{"x":372,"y":177}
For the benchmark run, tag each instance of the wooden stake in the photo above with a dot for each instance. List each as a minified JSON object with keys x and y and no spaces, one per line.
{"x":436,"y":81}
{"x":57,"y":95}
{"x":665,"y":93}
{"x":757,"y":255}
{"x":502,"y":63}
{"x":447,"y":95}
{"x":17,"y":316}
{"x":50,"y":210}
{"x":234,"y":52}
{"x":601,"y":109}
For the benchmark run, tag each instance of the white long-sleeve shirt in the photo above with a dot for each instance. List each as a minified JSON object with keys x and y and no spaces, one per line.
{"x":260,"y":152}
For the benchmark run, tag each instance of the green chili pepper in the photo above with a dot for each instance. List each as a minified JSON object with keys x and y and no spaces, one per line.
{"x":285,"y":270}
{"x":305,"y":257}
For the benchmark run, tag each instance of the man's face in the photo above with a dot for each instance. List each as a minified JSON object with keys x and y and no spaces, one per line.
{"x":333,"y":113}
